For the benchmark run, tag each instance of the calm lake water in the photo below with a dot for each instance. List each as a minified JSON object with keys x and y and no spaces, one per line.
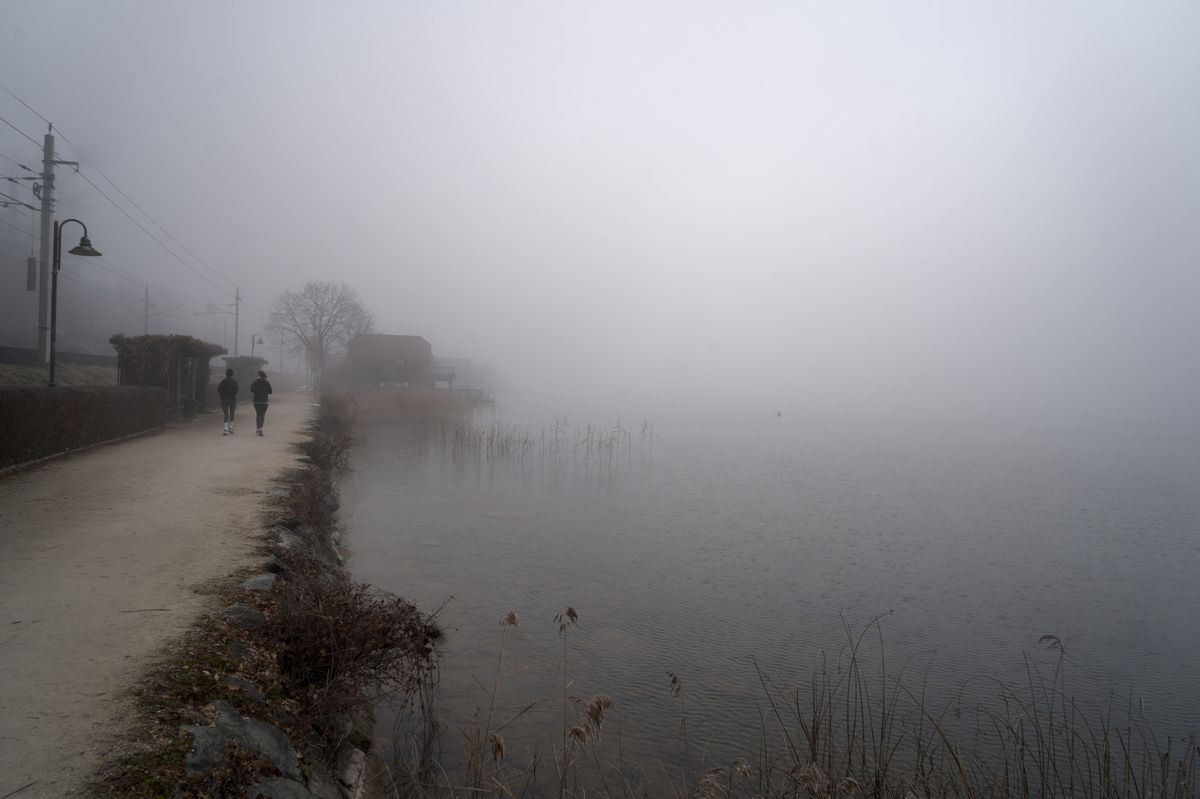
{"x":698,"y":550}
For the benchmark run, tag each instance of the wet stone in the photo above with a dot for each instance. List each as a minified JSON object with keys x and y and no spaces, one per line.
{"x":244,"y":687}
{"x":322,"y":784}
{"x":240,"y":651}
{"x":260,"y":582}
{"x":280,"y":788}
{"x":287,"y":541}
{"x":192,"y":715}
{"x":209,"y":742}
{"x":351,"y":763}
{"x":244,"y":616}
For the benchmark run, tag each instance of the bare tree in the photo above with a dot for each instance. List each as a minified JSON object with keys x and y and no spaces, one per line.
{"x":321,"y":318}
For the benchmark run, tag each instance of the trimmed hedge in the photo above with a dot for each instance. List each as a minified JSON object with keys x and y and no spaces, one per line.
{"x":38,"y":421}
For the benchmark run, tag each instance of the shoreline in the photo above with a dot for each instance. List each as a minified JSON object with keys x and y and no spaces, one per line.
{"x":230,"y":707}
{"x":110,"y":554}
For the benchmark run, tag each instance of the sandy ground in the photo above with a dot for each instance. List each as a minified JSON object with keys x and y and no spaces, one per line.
{"x":104,"y":558}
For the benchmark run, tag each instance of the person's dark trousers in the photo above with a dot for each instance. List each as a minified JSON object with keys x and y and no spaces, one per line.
{"x":228,"y":408}
{"x":260,"y":412}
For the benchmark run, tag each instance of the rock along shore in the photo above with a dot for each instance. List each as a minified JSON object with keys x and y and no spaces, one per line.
{"x":271,"y":696}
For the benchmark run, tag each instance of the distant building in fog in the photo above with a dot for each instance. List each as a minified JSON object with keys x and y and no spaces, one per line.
{"x":392,"y":361}
{"x":463,"y":375}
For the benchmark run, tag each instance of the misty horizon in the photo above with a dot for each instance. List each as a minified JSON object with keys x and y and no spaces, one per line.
{"x":979,"y":211}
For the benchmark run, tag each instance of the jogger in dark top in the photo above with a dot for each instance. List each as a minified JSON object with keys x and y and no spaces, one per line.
{"x":260,"y":391}
{"x":227,"y":389}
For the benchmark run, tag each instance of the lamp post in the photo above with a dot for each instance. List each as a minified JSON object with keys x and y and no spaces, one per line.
{"x":84,"y":248}
{"x":256,"y":337}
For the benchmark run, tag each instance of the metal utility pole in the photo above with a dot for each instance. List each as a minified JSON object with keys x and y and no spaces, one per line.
{"x":47,"y":197}
{"x":47,"y":244}
{"x":237,"y":307}
{"x":146,"y":326}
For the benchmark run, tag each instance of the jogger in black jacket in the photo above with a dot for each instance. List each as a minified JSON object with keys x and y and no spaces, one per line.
{"x":260,"y":391}
{"x":227,"y":390}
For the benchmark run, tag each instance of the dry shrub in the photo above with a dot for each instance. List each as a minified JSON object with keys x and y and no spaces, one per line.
{"x":330,"y":437}
{"x":328,"y":451}
{"x":341,"y":643}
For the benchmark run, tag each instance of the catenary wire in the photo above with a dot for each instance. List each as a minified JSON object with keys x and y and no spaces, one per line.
{"x":12,"y":94}
{"x":158,"y":241}
{"x":14,"y":227}
{"x":18,"y":130}
{"x":166,"y":232}
{"x":18,"y":163}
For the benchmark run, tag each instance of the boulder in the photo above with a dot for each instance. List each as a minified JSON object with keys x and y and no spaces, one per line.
{"x":351,"y":769}
{"x":229,"y":726}
{"x":260,"y":582}
{"x":279,"y":788}
{"x":245,"y":688}
{"x":240,"y":651}
{"x":244,"y":616}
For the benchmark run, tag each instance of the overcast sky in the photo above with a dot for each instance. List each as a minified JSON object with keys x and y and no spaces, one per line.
{"x":958,"y":205}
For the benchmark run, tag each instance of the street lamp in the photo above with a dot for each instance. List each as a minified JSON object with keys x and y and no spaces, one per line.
{"x":84,"y":248}
{"x":256,"y":337}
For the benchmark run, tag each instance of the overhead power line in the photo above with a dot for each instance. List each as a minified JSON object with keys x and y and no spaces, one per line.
{"x":18,"y":163}
{"x":108,"y":289}
{"x":108,"y":265}
{"x":27,"y":105}
{"x":166,"y":232}
{"x":157,"y":241}
{"x":12,"y":199}
{"x":14,"y":227}
{"x":123,"y":211}
{"x":18,"y":130}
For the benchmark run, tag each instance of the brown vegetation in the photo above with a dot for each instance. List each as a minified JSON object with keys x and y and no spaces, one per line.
{"x":65,"y":374}
{"x":853,"y":729}
{"x":449,"y":423}
{"x":329,"y":648}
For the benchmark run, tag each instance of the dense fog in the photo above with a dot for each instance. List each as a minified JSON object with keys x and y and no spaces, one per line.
{"x":958,"y":209}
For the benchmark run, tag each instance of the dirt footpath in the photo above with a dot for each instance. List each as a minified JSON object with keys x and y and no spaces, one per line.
{"x":104,"y":557}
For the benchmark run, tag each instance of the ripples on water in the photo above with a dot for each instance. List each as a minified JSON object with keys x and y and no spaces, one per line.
{"x":767,"y":541}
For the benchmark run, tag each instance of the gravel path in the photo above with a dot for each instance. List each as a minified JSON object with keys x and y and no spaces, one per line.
{"x":104,"y":557}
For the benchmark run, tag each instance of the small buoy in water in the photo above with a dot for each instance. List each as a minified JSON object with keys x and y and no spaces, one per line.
{"x":778,"y":414}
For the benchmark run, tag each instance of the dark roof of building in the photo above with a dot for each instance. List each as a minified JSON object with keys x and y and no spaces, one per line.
{"x":377,"y":345}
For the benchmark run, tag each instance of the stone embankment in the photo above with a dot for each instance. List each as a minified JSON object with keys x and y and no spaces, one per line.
{"x":107,"y":557}
{"x":271,"y":696}
{"x":229,"y":742}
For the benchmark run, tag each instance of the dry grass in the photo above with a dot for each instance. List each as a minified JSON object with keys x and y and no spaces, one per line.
{"x":851,"y":729}
{"x":64,"y":374}
{"x":450,"y":425}
{"x":330,"y":647}
{"x":340,"y":644}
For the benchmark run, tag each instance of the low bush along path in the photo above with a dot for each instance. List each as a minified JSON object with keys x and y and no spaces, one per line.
{"x":104,"y":557}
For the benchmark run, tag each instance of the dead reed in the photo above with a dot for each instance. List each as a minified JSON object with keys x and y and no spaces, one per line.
{"x":852,"y":728}
{"x":462,"y":433}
